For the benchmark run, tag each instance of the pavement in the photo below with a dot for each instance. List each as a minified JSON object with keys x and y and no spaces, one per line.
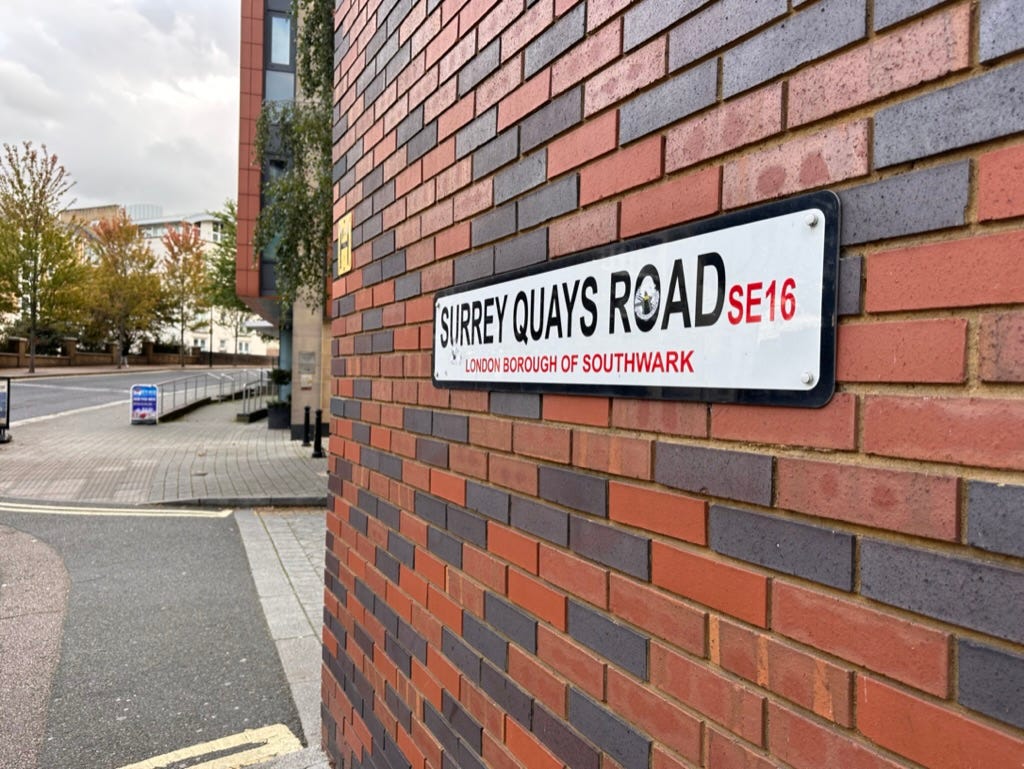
{"x":95,"y":457}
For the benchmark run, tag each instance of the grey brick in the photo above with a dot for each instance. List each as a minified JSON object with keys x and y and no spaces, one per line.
{"x":372,"y":181}
{"x":580,"y":491}
{"x":963,"y":592}
{"x":889,"y":12}
{"x":1002,"y":28}
{"x":463,"y":657}
{"x":432,"y":452}
{"x":485,"y":640}
{"x":557,"y":116}
{"x":418,"y":421}
{"x":387,"y":564}
{"x":358,"y":520}
{"x":494,"y":225}
{"x":552,"y":200}
{"x":541,"y":520}
{"x":391,"y":466}
{"x":389,"y":515}
{"x":398,"y":63}
{"x":361,"y":433}
{"x":995,"y":517}
{"x":363,"y":640}
{"x":506,"y":694}
{"x":393,"y":265}
{"x":440,"y":728}
{"x":717,"y":26}
{"x":395,"y":704}
{"x":644,"y":20}
{"x":362,"y":388}
{"x":383,"y":341}
{"x":814,"y":32}
{"x":386,"y":616}
{"x":512,"y":621}
{"x":338,"y":407}
{"x":372,"y":273}
{"x":851,"y":268}
{"x":504,"y":148}
{"x":920,"y":201}
{"x":445,"y":547}
{"x":991,"y":681}
{"x":365,"y":595}
{"x":976,"y":110}
{"x":430,"y":509}
{"x":422,"y":143}
{"x":383,"y":198}
{"x":372,"y":320}
{"x":717,"y":472}
{"x":347,"y":305}
{"x":467,"y":759}
{"x":401,"y":548}
{"x":563,"y":740}
{"x":452,"y":427}
{"x":408,"y":128}
{"x":401,"y":657}
{"x":528,"y":173}
{"x":630,"y":748}
{"x":555,"y":40}
{"x":475,"y":265}
{"x":618,"y":643}
{"x":477,"y":133}
{"x":524,"y":405}
{"x":479,"y":67}
{"x":465,"y":525}
{"x":612,"y":547}
{"x":489,"y":501}
{"x":683,"y":95}
{"x":412,"y":640}
{"x":811,"y":552}
{"x":407,"y":286}
{"x":523,"y":251}
{"x":463,"y":723}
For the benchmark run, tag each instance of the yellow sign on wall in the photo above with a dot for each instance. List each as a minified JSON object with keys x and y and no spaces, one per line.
{"x":344,"y":245}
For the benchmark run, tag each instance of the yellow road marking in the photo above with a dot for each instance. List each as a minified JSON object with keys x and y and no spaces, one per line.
{"x":155,"y":512}
{"x":273,"y":741}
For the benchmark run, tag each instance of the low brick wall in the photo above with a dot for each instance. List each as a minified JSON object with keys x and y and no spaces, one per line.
{"x":542,"y":580}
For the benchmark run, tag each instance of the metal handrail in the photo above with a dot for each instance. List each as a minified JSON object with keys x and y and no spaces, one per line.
{"x":184,"y":391}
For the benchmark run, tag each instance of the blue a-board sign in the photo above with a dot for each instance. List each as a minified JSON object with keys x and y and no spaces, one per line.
{"x":144,"y":404}
{"x":5,"y":408}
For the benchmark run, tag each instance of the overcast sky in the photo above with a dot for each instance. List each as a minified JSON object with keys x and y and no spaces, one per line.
{"x":137,"y":98}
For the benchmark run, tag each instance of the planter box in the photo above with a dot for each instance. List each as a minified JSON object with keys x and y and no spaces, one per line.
{"x":279,"y":416}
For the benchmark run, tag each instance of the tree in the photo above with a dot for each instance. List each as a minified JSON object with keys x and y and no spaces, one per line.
{"x":41,"y":270}
{"x":126,"y":285}
{"x":293,"y":145}
{"x":223,"y":294}
{"x":184,"y":279}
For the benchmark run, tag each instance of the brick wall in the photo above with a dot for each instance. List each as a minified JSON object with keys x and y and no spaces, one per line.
{"x":541,"y":580}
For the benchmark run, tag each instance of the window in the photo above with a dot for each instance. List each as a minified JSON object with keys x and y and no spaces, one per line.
{"x":280,"y":86}
{"x":281,"y":40}
{"x":243,"y":347}
{"x":223,"y":345}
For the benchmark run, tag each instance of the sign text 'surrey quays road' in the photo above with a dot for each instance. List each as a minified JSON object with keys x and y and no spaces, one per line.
{"x":740,"y":308}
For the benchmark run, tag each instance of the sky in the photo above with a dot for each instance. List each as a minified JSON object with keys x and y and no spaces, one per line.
{"x":137,"y":98}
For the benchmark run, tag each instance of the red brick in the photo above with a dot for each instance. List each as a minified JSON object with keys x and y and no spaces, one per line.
{"x":826,"y":157}
{"x":929,"y":734}
{"x":611,"y":453}
{"x":625,"y":77}
{"x":526,"y":747}
{"x":579,"y":665}
{"x":442,"y":669}
{"x":480,"y":707}
{"x":496,"y":87}
{"x":735,"y":707}
{"x":452,"y":241}
{"x":497,"y":20}
{"x":596,"y":226}
{"x":575,"y":575}
{"x":805,"y":744}
{"x":599,"y":11}
{"x":491,"y":433}
{"x":736,"y":591}
{"x":586,"y":58}
{"x":663,"y":615}
{"x":662,"y":759}
{"x":455,"y":178}
{"x":430,"y":566}
{"x":513,"y":473}
{"x":474,"y":199}
{"x":638,"y":164}
{"x":882,"y":642}
{"x":734,"y":124}
{"x":954,"y":273}
{"x":680,"y":200}
{"x":1001,"y":347}
{"x":903,"y":351}
{"x":918,"y":53}
{"x":536,"y":440}
{"x":1001,"y":183}
{"x":537,"y":598}
{"x":833,"y":426}
{"x":577,"y":409}
{"x":445,"y":609}
{"x":726,"y":753}
{"x":512,"y":546}
{"x":673,"y":514}
{"x":473,"y":12}
{"x":591,"y":140}
{"x":893,"y":500}
{"x":526,"y":27}
{"x":441,"y":43}
{"x":495,"y":755}
{"x":485,"y":568}
{"x":664,"y":417}
{"x":536,"y":679}
{"x":524,"y":100}
{"x":811,"y":682}
{"x":960,"y":431}
{"x":659,"y":718}
{"x":462,"y":52}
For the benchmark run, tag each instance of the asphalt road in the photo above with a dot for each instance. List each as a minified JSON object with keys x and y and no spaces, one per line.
{"x":164,"y":645}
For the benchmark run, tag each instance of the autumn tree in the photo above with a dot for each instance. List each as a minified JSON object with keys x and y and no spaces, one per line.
{"x":41,"y":270}
{"x":184,"y":279}
{"x":222,"y":292}
{"x":127,"y":294}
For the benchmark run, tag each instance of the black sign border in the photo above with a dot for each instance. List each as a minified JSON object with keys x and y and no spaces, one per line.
{"x":825,"y":200}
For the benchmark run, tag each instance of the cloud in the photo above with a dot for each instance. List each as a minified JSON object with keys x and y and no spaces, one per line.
{"x":138,"y":98}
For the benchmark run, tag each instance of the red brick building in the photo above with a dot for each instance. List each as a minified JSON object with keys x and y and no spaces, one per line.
{"x":540,"y":577}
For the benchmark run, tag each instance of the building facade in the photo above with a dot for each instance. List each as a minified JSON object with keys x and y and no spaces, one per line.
{"x":549,"y":577}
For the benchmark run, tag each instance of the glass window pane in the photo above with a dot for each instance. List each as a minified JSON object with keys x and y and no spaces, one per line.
{"x":280,"y":40}
{"x":280,"y":86}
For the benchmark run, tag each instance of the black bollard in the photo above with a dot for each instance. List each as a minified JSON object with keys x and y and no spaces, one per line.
{"x":305,"y":427}
{"x":318,"y":449}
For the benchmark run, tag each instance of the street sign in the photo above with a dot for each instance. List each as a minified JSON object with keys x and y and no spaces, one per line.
{"x":144,"y":404}
{"x":5,"y":409}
